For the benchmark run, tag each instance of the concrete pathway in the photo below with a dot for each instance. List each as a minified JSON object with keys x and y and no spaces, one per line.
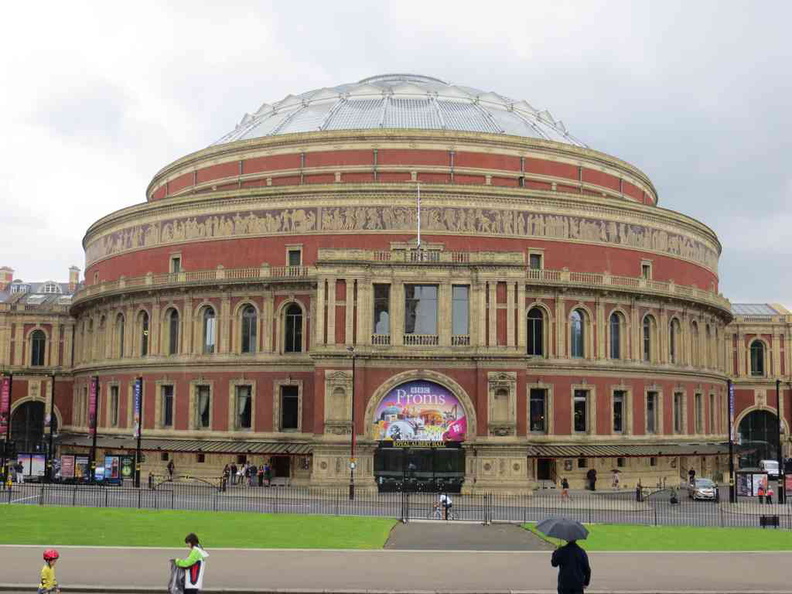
{"x":392,"y":570}
{"x":460,"y":536}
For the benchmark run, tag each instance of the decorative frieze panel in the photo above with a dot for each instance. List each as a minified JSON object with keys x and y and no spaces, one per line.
{"x":481,"y":221}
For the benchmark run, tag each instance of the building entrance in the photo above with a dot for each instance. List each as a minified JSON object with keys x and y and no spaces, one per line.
{"x":280,"y":466}
{"x":425,"y":469}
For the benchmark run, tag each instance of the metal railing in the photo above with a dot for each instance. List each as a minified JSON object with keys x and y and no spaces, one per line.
{"x":421,"y":340}
{"x":666,"y":507}
{"x":380,"y":339}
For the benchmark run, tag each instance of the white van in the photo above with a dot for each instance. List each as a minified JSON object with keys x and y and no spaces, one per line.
{"x":770,"y":467}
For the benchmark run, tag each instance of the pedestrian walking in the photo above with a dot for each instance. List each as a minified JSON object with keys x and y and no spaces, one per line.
{"x":564,"y":489}
{"x":194,"y":565}
{"x":692,"y":477}
{"x":591,"y":475}
{"x":616,"y":480}
{"x":20,"y":472}
{"x":267,"y":474}
{"x":760,"y":492}
{"x":48,"y":582}
{"x":574,"y":571}
{"x":769,"y":495}
{"x":233,"y":473}
{"x":171,"y":469}
{"x":252,"y":471}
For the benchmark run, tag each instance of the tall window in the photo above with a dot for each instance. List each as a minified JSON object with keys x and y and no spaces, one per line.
{"x":120,"y":334}
{"x":673,"y":337}
{"x":619,"y":403}
{"x":698,"y":402}
{"x":459,"y":310}
{"x":114,"y":407}
{"x":167,"y":406}
{"x":289,"y":409}
{"x":295,"y":257}
{"x":203,"y":403}
{"x":576,"y":337}
{"x":244,"y":407}
{"x":679,"y":411}
{"x":249,"y":324}
{"x":536,"y":332}
{"x":294,"y":329}
{"x":144,"y":333}
{"x":535,"y":261}
{"x":580,"y":411}
{"x":382,"y":309}
{"x":173,"y":332}
{"x":757,"y":358}
{"x":38,"y":343}
{"x":538,"y":410}
{"x":420,"y":309}
{"x":694,"y":344}
{"x":648,"y":334}
{"x":651,"y":412}
{"x":615,"y":336}
{"x":209,"y":330}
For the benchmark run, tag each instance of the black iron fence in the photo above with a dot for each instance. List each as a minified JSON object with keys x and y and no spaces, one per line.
{"x":663,"y":507}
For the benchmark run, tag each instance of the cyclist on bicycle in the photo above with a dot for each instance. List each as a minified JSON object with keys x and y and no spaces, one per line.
{"x":445,"y":501}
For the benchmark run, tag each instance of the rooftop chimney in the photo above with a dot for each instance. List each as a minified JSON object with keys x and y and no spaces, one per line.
{"x":6,"y":276}
{"x":74,"y":278}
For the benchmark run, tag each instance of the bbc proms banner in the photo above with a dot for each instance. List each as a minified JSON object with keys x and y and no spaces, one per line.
{"x":5,"y":403}
{"x":93,"y":396}
{"x":137,"y":396}
{"x":420,"y":411}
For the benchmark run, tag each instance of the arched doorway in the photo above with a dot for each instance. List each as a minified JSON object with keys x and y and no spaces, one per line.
{"x":758,"y":432}
{"x":27,"y":427}
{"x":420,"y":426}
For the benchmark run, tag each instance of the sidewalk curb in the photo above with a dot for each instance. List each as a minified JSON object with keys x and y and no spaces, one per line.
{"x":78,"y":589}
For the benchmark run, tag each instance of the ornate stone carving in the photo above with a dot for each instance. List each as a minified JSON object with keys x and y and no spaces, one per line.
{"x":502,"y":429}
{"x":486,"y":221}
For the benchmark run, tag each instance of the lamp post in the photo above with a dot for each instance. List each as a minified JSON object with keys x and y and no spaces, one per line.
{"x":732,"y":486}
{"x":351,"y":350}
{"x":51,"y":447}
{"x":779,"y":455}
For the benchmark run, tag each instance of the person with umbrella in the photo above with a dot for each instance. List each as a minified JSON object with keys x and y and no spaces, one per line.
{"x":574,"y":571}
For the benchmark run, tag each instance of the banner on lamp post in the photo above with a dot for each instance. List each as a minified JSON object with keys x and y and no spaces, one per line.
{"x":93,"y":395}
{"x":5,"y":403}
{"x":731,"y":411}
{"x":137,"y":393}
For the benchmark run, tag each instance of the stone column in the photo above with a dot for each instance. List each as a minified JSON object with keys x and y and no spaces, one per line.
{"x":492,"y":313}
{"x":224,"y":324}
{"x":662,"y":336}
{"x":510,"y":307}
{"x":478,"y":315}
{"x":741,"y":354}
{"x":397,"y":313}
{"x":444,"y":314}
{"x":155,"y":330}
{"x":189,"y":344}
{"x":365,"y":313}
{"x":331,"y":310}
{"x":267,"y":319}
{"x":55,"y":344}
{"x":19,"y":343}
{"x":560,"y":318}
{"x":319,"y":321}
{"x":600,"y":336}
{"x":349,"y":310}
{"x":635,"y":332}
{"x":776,"y":350}
{"x":522,"y":323}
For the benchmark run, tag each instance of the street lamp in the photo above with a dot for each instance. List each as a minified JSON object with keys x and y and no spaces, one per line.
{"x":351,"y":350}
{"x":779,"y":455}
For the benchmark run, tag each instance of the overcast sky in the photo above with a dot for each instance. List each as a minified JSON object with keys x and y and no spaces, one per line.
{"x":97,"y":97}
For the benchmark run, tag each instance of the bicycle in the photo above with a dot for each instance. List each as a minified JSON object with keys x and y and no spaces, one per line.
{"x":438,"y":513}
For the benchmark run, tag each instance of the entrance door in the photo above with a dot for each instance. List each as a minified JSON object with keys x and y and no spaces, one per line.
{"x":545,"y":469}
{"x":27,"y":427}
{"x":281,"y":466}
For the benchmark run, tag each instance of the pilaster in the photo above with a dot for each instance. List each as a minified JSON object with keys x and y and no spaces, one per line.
{"x":522,"y":323}
{"x":444,"y":307}
{"x":492,"y":313}
{"x":331,"y":310}
{"x":510,"y":308}
{"x":319,"y":320}
{"x":349,"y":311}
{"x":224,"y":324}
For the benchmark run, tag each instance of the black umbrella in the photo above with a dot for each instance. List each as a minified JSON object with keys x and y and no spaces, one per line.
{"x":562,"y":528}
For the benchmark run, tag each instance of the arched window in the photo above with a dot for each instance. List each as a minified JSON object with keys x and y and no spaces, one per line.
{"x":648,"y":337}
{"x":293,"y":329}
{"x":249,"y":323}
{"x":38,"y":343}
{"x":120,"y":335}
{"x":673,"y":338}
{"x":615,"y":336}
{"x":173,"y":332}
{"x":536,"y":332}
{"x":576,"y":336}
{"x":694,"y":344}
{"x":209,"y":330}
{"x":143,"y":319}
{"x":757,"y":358}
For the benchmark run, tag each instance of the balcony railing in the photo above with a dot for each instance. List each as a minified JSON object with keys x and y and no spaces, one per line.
{"x":421,"y":340}
{"x":460,"y":340}
{"x":380,"y":339}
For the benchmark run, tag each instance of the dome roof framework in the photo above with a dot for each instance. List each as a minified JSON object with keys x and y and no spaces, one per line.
{"x":400,"y":101}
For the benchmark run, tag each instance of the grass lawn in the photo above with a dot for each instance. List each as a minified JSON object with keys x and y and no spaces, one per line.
{"x":23,"y":524}
{"x":624,"y":537}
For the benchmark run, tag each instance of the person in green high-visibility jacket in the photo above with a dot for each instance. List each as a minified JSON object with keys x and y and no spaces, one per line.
{"x":194,"y":565}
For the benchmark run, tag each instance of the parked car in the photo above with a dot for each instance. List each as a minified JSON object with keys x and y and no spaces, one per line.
{"x":703,"y":488}
{"x":770,"y":467}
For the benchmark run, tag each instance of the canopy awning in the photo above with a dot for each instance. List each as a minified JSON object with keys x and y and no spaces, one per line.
{"x":626,"y":450}
{"x":205,"y":446}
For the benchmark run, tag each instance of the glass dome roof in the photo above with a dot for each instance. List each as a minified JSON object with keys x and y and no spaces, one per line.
{"x":400,"y":101}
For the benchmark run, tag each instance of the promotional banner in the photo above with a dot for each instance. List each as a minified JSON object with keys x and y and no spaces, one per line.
{"x":67,"y":467}
{"x":137,"y":394}
{"x":420,"y":411}
{"x":5,"y":403}
{"x":93,"y":395}
{"x":127,"y":466}
{"x":81,"y":467}
{"x":731,"y":411}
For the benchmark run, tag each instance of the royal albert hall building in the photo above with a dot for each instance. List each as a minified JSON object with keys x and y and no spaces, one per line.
{"x":493,"y":303}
